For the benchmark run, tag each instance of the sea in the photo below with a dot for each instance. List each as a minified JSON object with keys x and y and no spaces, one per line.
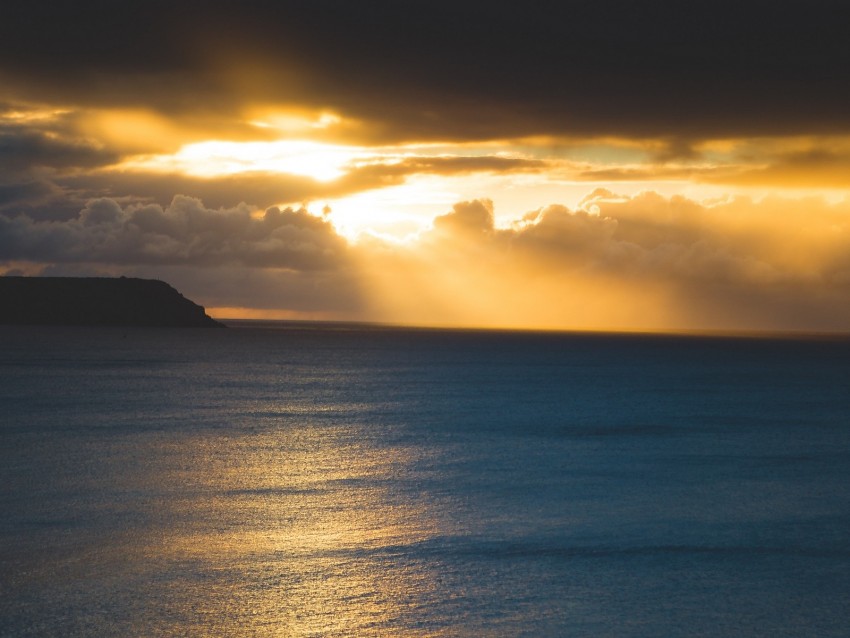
{"x":299,"y":479}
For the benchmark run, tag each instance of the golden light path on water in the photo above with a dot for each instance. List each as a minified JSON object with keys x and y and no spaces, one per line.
{"x":299,"y":528}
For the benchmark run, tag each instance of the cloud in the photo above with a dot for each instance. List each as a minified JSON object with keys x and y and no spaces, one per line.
{"x":467,"y":218}
{"x":37,"y":148}
{"x":645,"y":262}
{"x":738,"y":242}
{"x":184,"y":233}
{"x":642,"y":262}
{"x":605,"y":91}
{"x":50,"y":166}
{"x":449,"y":70}
{"x":22,"y":150}
{"x":461,"y":165}
{"x":812,"y":168}
{"x":261,"y":189}
{"x":801,"y":162}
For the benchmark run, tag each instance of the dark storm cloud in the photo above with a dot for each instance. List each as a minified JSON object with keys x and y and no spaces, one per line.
{"x":459,"y":69}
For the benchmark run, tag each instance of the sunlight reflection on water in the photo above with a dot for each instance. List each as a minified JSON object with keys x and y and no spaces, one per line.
{"x":318,"y":514}
{"x":380,"y":483}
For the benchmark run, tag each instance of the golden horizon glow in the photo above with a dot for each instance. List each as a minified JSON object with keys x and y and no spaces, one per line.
{"x":223,"y":313}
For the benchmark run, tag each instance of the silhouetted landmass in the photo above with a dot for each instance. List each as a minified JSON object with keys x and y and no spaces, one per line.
{"x":74,"y":301}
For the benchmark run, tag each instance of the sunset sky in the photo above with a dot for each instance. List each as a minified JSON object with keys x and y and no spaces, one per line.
{"x":603,"y":165}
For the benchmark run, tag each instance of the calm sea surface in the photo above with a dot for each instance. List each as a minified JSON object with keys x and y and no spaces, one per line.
{"x":354,"y":481}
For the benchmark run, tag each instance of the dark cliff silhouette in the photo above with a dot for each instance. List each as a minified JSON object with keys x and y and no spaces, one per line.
{"x":75,"y":301}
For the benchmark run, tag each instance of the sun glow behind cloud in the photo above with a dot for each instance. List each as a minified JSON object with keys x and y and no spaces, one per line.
{"x":395,"y":191}
{"x":394,"y":212}
{"x":293,"y":122}
{"x":519,"y":233}
{"x":382,"y":232}
{"x":241,"y":160}
{"x":317,"y":160}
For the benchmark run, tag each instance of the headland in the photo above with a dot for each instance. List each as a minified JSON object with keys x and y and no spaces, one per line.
{"x":97,"y":301}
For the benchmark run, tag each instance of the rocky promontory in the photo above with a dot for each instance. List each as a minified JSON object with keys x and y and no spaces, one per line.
{"x":96,"y":301}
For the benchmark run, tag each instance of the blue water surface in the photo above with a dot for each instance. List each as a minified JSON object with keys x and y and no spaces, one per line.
{"x":343,"y":480}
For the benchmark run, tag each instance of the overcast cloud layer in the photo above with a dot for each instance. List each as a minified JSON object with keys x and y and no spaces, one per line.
{"x":458,"y":69}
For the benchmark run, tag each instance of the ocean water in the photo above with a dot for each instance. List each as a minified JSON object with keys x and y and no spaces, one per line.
{"x":331,"y":480}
